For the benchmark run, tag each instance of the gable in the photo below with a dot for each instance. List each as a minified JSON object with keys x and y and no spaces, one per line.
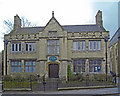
{"x":53,"y":25}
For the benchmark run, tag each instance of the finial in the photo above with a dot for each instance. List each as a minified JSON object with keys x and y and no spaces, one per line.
{"x":52,"y":13}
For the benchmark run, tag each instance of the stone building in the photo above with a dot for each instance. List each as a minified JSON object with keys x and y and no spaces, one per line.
{"x":113,"y":45}
{"x":51,"y":48}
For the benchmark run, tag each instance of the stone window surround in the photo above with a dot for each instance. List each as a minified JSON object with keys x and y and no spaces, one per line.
{"x":15,"y":66}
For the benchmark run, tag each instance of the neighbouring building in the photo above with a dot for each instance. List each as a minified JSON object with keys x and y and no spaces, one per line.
{"x":51,"y":48}
{"x":113,"y":45}
{"x":1,"y":64}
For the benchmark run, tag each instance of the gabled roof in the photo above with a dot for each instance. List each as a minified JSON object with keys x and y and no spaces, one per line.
{"x":68,"y":28}
{"x":82,"y":28}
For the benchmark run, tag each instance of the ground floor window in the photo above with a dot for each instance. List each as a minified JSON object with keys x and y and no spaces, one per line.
{"x":79,"y":65}
{"x":30,"y":66}
{"x":94,"y":65}
{"x":16,"y":66}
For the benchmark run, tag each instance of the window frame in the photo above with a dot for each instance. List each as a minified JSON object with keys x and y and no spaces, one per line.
{"x":93,"y":64}
{"x":53,"y":47}
{"x":94,"y":45}
{"x":30,"y":46}
{"x":79,"y":45}
{"x":16,"y":67}
{"x":30,"y":66}
{"x":79,"y":65}
{"x":16,"y":47}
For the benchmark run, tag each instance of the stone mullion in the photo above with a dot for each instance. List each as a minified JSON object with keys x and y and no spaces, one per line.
{"x":22,"y":65}
{"x":87,"y":66}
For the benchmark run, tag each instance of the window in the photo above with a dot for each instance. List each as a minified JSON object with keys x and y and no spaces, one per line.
{"x":16,"y":47}
{"x":30,"y":47}
{"x":94,"y":65}
{"x":52,"y":34}
{"x":30,"y":66}
{"x":53,"y":46}
{"x":79,"y":65}
{"x":94,"y":45}
{"x":16,"y":66}
{"x":79,"y":45}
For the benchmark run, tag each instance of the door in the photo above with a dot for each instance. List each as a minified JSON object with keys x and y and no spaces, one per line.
{"x":53,"y":71}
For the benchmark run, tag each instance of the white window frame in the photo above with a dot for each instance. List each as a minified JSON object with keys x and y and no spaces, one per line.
{"x":18,"y":47}
{"x":79,"y":45}
{"x":33,"y":47}
{"x":94,"y":45}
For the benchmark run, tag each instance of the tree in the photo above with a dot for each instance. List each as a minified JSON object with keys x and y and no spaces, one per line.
{"x":69,"y":72}
{"x":8,"y":24}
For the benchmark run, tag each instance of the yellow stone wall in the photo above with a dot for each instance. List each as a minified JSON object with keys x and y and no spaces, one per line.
{"x":66,"y":55}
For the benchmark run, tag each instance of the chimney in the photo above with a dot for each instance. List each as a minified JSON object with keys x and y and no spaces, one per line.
{"x":99,"y":18}
{"x":17,"y":22}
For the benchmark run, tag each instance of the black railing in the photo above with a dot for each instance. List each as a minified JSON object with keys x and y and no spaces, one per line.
{"x":42,"y":84}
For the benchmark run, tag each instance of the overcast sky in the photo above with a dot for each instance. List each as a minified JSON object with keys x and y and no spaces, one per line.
{"x":67,"y":12}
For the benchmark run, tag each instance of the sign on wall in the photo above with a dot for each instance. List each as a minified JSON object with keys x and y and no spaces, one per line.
{"x":53,"y":58}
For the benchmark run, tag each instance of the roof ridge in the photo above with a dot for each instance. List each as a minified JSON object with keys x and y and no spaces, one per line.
{"x":80,"y":25}
{"x":33,"y":27}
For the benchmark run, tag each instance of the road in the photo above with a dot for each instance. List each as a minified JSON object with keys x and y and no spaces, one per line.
{"x":82,"y":92}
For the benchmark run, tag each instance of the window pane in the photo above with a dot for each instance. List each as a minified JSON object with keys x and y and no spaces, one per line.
{"x":33,"y":63}
{"x":94,"y":44}
{"x":12,"y":47}
{"x":33,"y":69}
{"x":74,"y":45}
{"x":12,"y":69}
{"x":48,"y":49}
{"x":16,"y":69}
{"x":79,"y":45}
{"x":16,"y":47}
{"x":90,"y":45}
{"x":19,"y":47}
{"x":26,"y":69}
{"x":98,"y":45}
{"x":34,"y":47}
{"x":30,"y":47}
{"x":19,"y":69}
{"x":57,"y":49}
{"x":26,"y":47}
{"x":19,"y":63}
{"x":84,"y":45}
{"x":26,"y":63}
{"x":13,"y":63}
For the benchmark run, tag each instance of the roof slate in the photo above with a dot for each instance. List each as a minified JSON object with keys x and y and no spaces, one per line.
{"x":68,"y":28}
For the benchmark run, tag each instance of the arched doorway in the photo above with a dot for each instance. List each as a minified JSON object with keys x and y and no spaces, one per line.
{"x":53,"y":71}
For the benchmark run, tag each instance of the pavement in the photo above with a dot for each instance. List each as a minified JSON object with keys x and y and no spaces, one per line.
{"x":81,"y":92}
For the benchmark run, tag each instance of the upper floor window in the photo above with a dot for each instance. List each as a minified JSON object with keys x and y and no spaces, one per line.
{"x":16,"y":47}
{"x":79,"y":65}
{"x":94,"y":45}
{"x":52,"y":34}
{"x":53,"y":46}
{"x":16,"y":66}
{"x":79,"y":45}
{"x":31,"y":47}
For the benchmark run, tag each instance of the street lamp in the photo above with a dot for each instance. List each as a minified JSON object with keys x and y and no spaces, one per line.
{"x":106,"y":40}
{"x":6,"y":42}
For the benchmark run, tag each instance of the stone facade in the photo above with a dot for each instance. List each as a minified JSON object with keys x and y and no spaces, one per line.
{"x":45,"y":58}
{"x":113,"y":45}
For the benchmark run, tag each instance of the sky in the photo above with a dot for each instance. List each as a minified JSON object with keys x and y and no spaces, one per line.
{"x":67,"y":12}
